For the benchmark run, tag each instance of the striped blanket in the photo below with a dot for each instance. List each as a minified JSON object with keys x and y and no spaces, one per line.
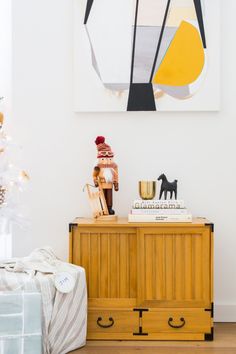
{"x":64,"y":315}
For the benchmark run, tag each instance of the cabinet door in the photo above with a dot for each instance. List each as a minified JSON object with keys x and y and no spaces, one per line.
{"x":109,"y":256}
{"x":175,"y":267}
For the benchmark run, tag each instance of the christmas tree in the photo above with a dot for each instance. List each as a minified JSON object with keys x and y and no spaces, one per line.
{"x":12,"y":180}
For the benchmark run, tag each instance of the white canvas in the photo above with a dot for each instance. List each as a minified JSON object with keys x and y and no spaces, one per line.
{"x":101,"y":75}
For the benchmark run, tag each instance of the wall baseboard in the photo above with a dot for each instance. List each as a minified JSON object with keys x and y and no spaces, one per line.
{"x":225,"y":313}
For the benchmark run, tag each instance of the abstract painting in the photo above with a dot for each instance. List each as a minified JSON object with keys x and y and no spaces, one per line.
{"x":147,"y":55}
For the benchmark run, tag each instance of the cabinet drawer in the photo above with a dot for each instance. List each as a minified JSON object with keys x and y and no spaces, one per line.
{"x":177,"y":321}
{"x":102,"y":323}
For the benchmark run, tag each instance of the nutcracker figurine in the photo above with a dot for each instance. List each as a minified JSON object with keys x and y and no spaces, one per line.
{"x":105,"y":174}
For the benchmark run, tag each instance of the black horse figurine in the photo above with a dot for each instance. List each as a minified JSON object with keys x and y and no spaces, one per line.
{"x":167,"y":186}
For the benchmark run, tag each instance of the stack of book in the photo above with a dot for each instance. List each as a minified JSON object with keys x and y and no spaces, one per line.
{"x":159,"y":211}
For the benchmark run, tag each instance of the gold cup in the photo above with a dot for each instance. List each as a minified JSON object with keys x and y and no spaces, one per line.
{"x":147,"y":189}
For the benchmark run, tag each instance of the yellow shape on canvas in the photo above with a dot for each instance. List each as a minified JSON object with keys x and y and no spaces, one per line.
{"x":184,"y":59}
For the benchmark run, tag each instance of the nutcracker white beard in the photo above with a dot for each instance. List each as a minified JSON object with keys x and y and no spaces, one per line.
{"x":108,"y":175}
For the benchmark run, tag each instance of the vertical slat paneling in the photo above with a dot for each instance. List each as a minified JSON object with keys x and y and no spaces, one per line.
{"x":172,"y":267}
{"x":133,"y":265}
{"x":118,"y":265}
{"x":103,"y":265}
{"x":159,"y":265}
{"x":99,"y":264}
{"x":85,"y":255}
{"x":70,"y":246}
{"x":197,"y":267}
{"x":154,"y":270}
{"x":149,"y":267}
{"x":163,"y":251}
{"x":188,"y":263}
{"x":124,"y":285}
{"x":141,"y":262}
{"x":76,"y":252}
{"x":93,"y":268}
{"x":193,"y":275}
{"x":169,"y":266}
{"x":114,"y":275}
{"x":108,"y":265}
{"x":207,"y":268}
{"x":179,"y":268}
{"x":176,"y":267}
{"x":128,"y":265}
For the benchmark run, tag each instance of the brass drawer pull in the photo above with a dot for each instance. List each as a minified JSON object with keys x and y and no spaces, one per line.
{"x":175,"y":326}
{"x":103,"y":325}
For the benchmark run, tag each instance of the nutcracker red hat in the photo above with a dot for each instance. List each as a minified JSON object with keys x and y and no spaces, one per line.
{"x":104,"y":150}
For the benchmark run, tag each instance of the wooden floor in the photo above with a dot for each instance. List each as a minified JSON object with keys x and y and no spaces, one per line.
{"x":224,"y":343}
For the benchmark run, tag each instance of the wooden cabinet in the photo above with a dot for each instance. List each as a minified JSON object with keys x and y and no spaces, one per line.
{"x":146,"y":281}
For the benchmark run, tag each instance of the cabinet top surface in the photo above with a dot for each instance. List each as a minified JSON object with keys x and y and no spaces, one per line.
{"x":80,"y":221}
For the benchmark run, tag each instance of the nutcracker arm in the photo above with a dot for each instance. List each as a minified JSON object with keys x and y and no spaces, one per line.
{"x":116,"y":179}
{"x":96,"y":172}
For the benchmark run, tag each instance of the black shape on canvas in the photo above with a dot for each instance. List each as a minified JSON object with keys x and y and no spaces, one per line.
{"x":134,"y":41}
{"x":198,"y":8}
{"x":141,"y":98}
{"x":88,"y":9}
{"x":160,"y":39}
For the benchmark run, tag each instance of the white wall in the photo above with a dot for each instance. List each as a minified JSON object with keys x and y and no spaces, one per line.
{"x":5,"y":53}
{"x":59,"y":152}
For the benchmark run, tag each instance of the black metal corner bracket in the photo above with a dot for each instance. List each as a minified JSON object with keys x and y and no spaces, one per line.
{"x":211,"y":226}
{"x":71,"y":226}
{"x":141,"y":311}
{"x":209,"y":336}
{"x":211,"y":310}
{"x":140,"y":332}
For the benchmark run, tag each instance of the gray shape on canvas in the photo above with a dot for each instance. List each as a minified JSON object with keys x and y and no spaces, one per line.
{"x":94,"y":60}
{"x":116,"y":87}
{"x":145,"y":48}
{"x":180,"y":92}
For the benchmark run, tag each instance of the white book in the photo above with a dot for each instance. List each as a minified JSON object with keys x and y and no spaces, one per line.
{"x":160,"y":218}
{"x":158,"y":204}
{"x":161,"y":211}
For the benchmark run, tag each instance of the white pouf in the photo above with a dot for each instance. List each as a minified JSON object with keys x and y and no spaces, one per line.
{"x":64,"y":315}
